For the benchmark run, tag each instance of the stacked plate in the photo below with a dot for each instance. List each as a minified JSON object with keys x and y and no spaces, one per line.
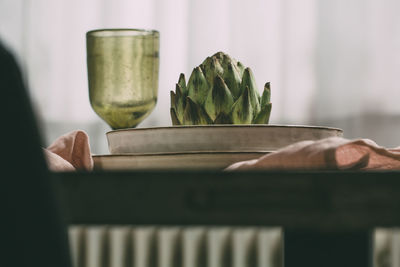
{"x":200,"y":147}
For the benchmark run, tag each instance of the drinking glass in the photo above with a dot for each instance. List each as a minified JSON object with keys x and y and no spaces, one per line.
{"x":123,"y":74}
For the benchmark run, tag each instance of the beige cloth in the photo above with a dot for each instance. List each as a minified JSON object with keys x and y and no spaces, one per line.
{"x":333,"y":153}
{"x":70,"y":152}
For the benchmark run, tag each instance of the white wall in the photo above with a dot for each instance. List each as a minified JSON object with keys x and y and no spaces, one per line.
{"x":329,"y":62}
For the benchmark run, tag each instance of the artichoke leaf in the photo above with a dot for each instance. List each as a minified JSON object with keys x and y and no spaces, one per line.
{"x":266,"y":96}
{"x":179,"y":91}
{"x":182,"y":83}
{"x":232,"y":80}
{"x":219,"y":99}
{"x":173,"y":99}
{"x":211,"y":67}
{"x":174,"y":118}
{"x":180,"y":102}
{"x":240,"y":68}
{"x":263,"y":116}
{"x":249,"y":81}
{"x":223,"y":118}
{"x":197,"y":86}
{"x":242,"y":110}
{"x":194,"y":114}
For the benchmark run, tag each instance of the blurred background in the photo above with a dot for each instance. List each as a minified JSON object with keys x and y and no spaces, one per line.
{"x":331,"y":63}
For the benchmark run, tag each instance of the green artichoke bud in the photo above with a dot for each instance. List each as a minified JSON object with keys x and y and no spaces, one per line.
{"x":220,"y":91}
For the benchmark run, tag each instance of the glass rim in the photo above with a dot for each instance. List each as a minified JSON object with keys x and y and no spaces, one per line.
{"x":120,"y":32}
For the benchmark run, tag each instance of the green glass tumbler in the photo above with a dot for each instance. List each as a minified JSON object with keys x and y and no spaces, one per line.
{"x":123,"y":74}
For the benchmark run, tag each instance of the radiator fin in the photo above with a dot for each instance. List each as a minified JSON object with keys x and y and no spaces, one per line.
{"x":136,"y":246}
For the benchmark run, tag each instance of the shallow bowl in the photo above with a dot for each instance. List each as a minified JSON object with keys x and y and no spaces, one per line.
{"x":213,"y":138}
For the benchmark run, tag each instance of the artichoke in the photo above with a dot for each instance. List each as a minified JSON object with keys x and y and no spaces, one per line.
{"x":220,"y":91}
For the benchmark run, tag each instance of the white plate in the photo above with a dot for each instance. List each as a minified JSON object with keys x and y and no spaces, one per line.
{"x":172,"y":161}
{"x":208,"y":138}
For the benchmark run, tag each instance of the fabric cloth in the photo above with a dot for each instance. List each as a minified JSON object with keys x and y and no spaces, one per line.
{"x":333,"y":153}
{"x":70,"y":152}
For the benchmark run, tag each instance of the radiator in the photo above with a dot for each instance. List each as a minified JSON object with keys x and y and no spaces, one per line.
{"x":106,"y":246}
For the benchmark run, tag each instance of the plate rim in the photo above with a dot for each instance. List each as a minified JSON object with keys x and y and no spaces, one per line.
{"x":226,"y":126}
{"x":182,"y":153}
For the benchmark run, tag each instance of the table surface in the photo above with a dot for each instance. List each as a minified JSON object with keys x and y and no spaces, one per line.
{"x":301,"y":200}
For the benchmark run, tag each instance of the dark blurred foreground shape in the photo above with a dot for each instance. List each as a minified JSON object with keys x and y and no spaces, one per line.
{"x":32,"y":233}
